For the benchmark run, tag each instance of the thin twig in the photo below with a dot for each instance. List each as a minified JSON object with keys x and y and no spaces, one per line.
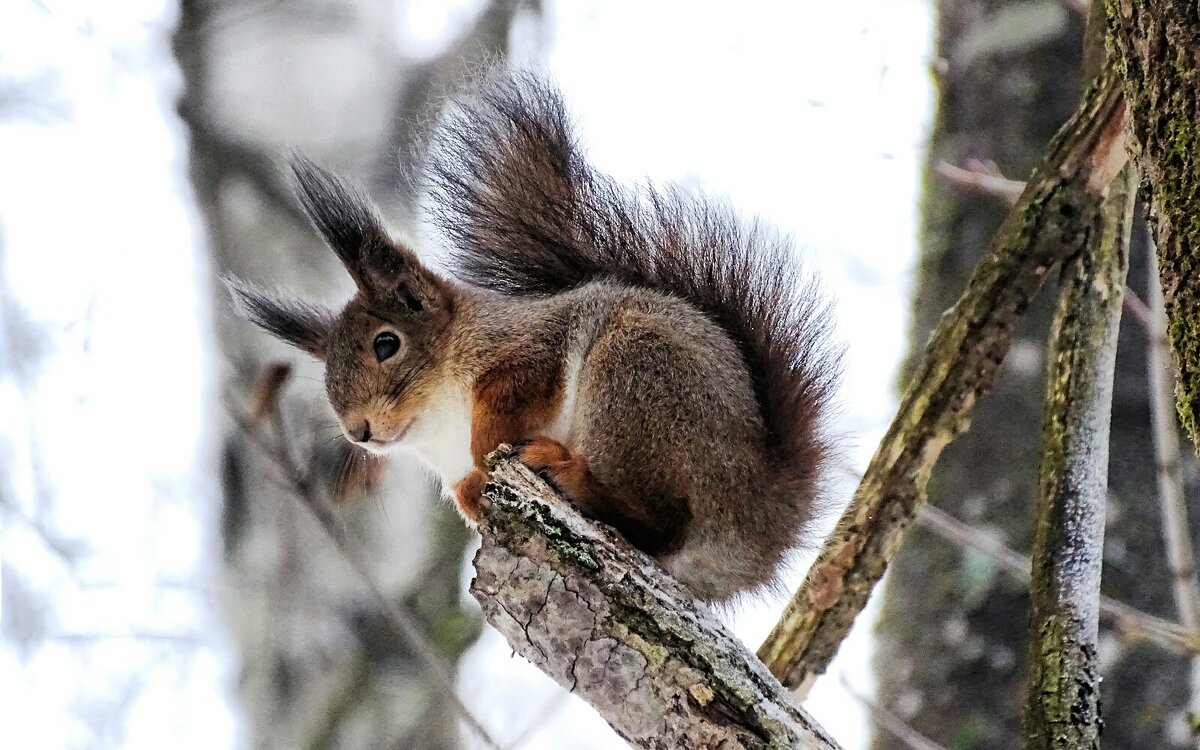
{"x":401,"y":622}
{"x":890,"y":722}
{"x":983,"y":177}
{"x":1176,"y":529}
{"x":1131,"y":622}
{"x":1140,"y":312}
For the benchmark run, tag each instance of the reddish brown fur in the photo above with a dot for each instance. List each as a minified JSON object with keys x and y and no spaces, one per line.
{"x":468,"y":491}
{"x":513,"y":401}
{"x":569,"y":473}
{"x":659,"y":361}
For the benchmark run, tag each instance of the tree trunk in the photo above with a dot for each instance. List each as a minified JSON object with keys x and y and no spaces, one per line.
{"x":1156,"y":47}
{"x":952,"y":634}
{"x":319,"y":665}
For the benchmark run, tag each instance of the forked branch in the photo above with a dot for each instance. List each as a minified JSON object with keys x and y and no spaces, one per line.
{"x":1048,"y":225}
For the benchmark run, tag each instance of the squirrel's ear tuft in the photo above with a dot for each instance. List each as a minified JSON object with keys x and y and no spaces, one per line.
{"x":300,"y":324}
{"x":341,"y":213}
{"x":351,"y":226}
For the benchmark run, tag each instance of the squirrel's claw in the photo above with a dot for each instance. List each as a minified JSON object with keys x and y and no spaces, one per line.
{"x":468,"y":494}
{"x":561,"y":468}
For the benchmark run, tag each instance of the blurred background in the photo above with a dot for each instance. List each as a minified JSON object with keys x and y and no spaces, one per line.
{"x":160,"y":582}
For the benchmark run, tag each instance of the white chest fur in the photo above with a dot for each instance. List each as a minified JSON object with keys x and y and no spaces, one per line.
{"x":441,"y":436}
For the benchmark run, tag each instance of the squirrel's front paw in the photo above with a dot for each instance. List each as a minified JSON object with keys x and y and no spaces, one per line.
{"x":468,"y":494}
{"x":564,"y":470}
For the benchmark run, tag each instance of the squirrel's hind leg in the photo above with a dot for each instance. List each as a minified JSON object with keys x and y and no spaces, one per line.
{"x":568,"y":472}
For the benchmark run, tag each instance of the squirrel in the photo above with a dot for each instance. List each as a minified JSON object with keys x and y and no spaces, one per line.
{"x":663,"y":365}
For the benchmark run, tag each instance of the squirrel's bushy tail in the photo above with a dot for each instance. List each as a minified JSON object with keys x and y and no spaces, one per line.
{"x":526,"y":215}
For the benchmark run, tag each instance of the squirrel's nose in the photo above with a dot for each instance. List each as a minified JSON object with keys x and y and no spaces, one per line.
{"x":362,"y":434}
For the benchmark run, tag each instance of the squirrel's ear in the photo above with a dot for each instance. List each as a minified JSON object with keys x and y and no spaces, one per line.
{"x":351,"y":226}
{"x":340,"y":212}
{"x":298,"y":323}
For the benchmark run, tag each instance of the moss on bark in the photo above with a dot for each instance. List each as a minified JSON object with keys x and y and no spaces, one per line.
{"x":1156,"y":45}
{"x":1063,"y":689}
{"x":1048,"y":225}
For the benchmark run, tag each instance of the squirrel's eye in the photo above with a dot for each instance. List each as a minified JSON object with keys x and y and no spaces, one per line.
{"x":386,"y":344}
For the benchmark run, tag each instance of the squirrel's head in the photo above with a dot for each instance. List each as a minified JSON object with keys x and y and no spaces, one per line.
{"x":383,"y":351}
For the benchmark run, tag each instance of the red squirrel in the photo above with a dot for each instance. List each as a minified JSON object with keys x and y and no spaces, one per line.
{"x":662,"y":364}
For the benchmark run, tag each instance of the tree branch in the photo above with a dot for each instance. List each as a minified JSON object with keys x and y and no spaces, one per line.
{"x":1049,"y":224}
{"x":1154,"y":45}
{"x":982,"y":176}
{"x":608,"y":624}
{"x":233,"y":156}
{"x":1063,"y":685}
{"x":891,"y":723}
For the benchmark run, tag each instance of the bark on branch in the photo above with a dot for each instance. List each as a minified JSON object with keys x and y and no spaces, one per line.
{"x":608,"y":624}
{"x":1063,"y":686}
{"x":1048,"y":224}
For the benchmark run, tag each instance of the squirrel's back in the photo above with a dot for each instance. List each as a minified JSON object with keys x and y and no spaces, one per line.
{"x":527,"y":215}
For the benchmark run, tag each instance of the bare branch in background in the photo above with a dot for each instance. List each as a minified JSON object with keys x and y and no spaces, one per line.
{"x":1177,"y":531}
{"x":1137,"y":309}
{"x":607,"y":623}
{"x":278,"y":447}
{"x":1049,"y":224}
{"x":1062,"y":694}
{"x":1132,"y":623}
{"x":982,"y":176}
{"x":891,"y":723}
{"x":233,"y":157}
